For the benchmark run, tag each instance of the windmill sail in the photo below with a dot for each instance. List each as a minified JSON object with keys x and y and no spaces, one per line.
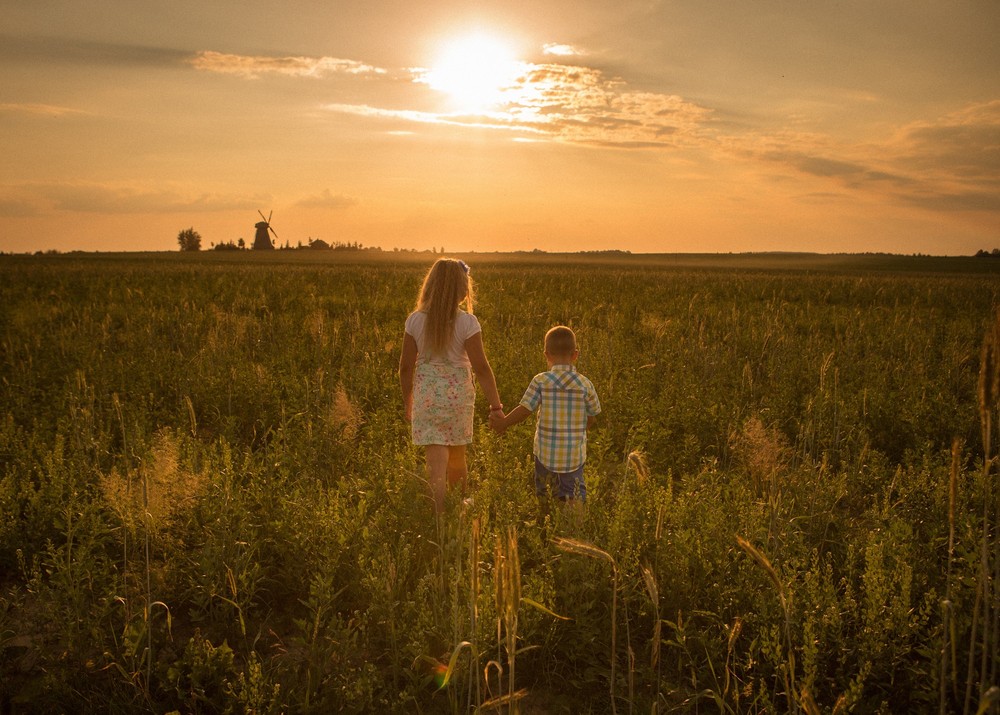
{"x":262,"y":241}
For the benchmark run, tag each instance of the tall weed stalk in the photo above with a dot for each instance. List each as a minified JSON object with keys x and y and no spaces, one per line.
{"x":788,"y":667}
{"x":582,"y":548}
{"x":986,"y":612}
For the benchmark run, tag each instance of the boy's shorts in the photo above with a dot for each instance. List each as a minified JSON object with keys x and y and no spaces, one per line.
{"x":565,"y":485}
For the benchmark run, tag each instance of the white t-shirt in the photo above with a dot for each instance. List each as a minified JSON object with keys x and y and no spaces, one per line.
{"x":466,"y":325}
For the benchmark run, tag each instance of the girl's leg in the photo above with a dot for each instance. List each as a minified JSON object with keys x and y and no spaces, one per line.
{"x":437,"y":459}
{"x":458,"y":470}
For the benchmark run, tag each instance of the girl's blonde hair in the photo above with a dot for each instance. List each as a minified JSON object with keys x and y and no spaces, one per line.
{"x":445,"y":286}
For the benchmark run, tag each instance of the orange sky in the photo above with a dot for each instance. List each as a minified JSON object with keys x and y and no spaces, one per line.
{"x":564,"y":125}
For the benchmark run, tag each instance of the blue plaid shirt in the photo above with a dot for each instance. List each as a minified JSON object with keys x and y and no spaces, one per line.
{"x":564,"y":400}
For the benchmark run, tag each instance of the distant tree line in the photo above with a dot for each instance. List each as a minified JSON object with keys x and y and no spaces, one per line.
{"x":189,"y":240}
{"x":318,"y":244}
{"x":230,"y":246}
{"x":995,"y":253}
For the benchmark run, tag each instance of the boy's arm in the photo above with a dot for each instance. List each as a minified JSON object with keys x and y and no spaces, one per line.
{"x":515,"y":416}
{"x":593,"y":406}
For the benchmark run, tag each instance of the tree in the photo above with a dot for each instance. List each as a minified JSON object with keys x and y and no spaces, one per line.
{"x":189,"y":240}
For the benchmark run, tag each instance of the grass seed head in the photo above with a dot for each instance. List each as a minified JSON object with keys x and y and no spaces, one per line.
{"x":637,"y":460}
{"x":345,"y":418}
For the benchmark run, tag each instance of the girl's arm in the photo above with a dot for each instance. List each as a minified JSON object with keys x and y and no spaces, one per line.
{"x":484,"y":373}
{"x":407,"y":364}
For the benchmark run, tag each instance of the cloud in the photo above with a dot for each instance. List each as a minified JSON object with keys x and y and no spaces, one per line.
{"x":961,"y":201}
{"x":560,"y":50}
{"x":253,"y":67}
{"x":469,"y":121}
{"x":61,"y":50}
{"x":818,"y":165}
{"x":945,"y":165}
{"x":45,"y":110}
{"x":851,"y":173}
{"x":327,"y":200}
{"x":36,"y":50}
{"x":581,"y":104}
{"x":35,"y":199}
{"x":562,"y":102}
{"x":570,"y":104}
{"x":954,"y":161}
{"x":965,"y":143}
{"x":17,"y":207}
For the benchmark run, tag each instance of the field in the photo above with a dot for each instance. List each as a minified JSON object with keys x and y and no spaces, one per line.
{"x":209,"y":502}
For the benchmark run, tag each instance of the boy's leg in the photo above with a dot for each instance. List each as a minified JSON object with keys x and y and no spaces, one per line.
{"x":573,"y":493}
{"x":544,"y":487}
{"x":572,"y":487}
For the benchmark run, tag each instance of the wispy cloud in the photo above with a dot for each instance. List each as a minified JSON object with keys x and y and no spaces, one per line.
{"x":253,"y":67}
{"x":562,"y":102}
{"x":44,"y":110}
{"x":956,"y":159}
{"x":571,"y":104}
{"x":40,"y":198}
{"x":36,"y":50}
{"x":14,"y":206}
{"x":560,"y":50}
{"x":327,"y":200}
{"x":469,"y":121}
{"x":948,"y":164}
{"x":965,"y":143}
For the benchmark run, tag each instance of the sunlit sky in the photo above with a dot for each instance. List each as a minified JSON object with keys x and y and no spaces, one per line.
{"x":561,"y":125}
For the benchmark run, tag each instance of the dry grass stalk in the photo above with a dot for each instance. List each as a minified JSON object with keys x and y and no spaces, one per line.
{"x":508,"y":599}
{"x":575,"y":546}
{"x":443,"y":675}
{"x":808,"y":703}
{"x":344,"y":417}
{"x":989,"y":382}
{"x":511,"y":699}
{"x":649,"y":578}
{"x":734,"y":632}
{"x":169,"y":490}
{"x":789,"y":669}
{"x":191,"y":416}
{"x":948,"y":643}
{"x":474,"y":601}
{"x":763,"y":452}
{"x":986,"y":607}
{"x":637,"y":460}
{"x":840,"y":706}
{"x":765,"y":564}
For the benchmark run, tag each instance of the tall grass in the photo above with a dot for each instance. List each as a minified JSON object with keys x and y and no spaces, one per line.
{"x":209,"y":500}
{"x":986,"y":611}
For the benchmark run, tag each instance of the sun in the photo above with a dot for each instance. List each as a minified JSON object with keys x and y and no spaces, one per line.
{"x":474,"y":71}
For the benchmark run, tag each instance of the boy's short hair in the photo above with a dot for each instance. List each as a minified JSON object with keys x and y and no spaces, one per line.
{"x":561,"y":341}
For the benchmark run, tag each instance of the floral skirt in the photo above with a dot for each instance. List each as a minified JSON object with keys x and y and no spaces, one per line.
{"x":444,"y":397}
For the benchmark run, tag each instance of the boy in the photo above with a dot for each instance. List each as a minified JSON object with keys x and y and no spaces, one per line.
{"x":567,"y":405}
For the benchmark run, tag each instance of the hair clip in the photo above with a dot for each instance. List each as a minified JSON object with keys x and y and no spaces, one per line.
{"x":464,"y":266}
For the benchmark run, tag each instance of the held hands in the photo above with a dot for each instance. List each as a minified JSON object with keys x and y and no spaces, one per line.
{"x":497,"y":422}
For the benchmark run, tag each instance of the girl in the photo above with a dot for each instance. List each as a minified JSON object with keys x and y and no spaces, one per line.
{"x":442,"y":348}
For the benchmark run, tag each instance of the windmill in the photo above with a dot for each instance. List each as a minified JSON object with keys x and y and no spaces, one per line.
{"x":262,"y":240}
